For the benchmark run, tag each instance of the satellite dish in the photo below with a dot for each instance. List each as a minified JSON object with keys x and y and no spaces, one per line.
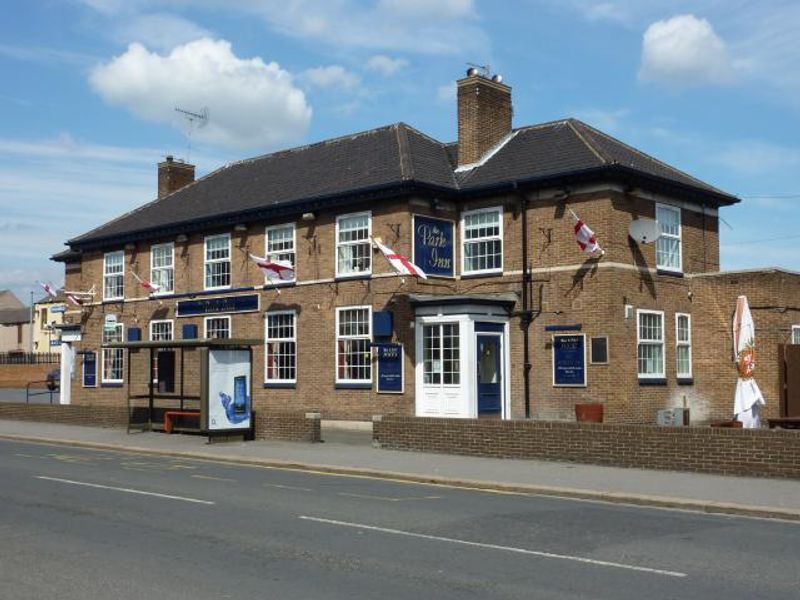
{"x":644,"y":231}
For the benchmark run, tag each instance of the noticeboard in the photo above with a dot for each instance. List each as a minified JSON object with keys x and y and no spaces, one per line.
{"x":434,"y":246}
{"x":228,"y":390}
{"x":569,"y":360}
{"x":89,"y":369}
{"x":390,"y":368}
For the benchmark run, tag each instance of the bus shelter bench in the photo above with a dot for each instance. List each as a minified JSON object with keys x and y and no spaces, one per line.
{"x":168,"y":415}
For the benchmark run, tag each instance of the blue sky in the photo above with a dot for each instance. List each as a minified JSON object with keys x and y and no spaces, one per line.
{"x":88,"y":90}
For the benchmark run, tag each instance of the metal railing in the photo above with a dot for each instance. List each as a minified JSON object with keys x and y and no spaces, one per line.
{"x":29,"y":358}
{"x":50,"y":388}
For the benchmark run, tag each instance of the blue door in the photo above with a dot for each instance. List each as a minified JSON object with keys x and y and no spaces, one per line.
{"x":490,"y":381}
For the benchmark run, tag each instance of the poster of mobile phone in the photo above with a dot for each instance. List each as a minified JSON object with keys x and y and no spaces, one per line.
{"x":229,"y":403}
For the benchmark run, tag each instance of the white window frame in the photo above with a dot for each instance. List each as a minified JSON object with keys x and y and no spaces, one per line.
{"x":640,"y":341}
{"x":268,"y":340}
{"x":269,"y":255}
{"x":795,"y":334}
{"x":465,"y":241}
{"x":368,"y":242}
{"x":103,"y":379}
{"x":440,"y":337}
{"x":339,"y":310}
{"x":679,"y":237}
{"x":207,"y":262}
{"x":161,"y":322}
{"x":121,"y":274}
{"x":208,"y":318}
{"x":163,"y":291}
{"x":683,"y":344}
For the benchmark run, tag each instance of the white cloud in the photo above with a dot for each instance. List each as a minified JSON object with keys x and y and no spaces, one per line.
{"x":252,"y":104}
{"x":605,"y":120}
{"x":331,"y":76}
{"x":386,"y":65}
{"x":428,"y":9}
{"x":446,"y":93}
{"x":684,"y":50}
{"x":161,"y":31}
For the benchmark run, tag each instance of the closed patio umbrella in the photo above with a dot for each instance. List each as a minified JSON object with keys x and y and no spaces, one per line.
{"x":749,"y":399}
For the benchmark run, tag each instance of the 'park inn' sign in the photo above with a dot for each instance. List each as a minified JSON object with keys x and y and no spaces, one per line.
{"x":433,"y":246}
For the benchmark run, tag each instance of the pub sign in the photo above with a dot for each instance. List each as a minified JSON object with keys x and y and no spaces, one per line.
{"x":434,"y":246}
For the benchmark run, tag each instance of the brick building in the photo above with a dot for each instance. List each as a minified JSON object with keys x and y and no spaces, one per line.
{"x":514,"y":321}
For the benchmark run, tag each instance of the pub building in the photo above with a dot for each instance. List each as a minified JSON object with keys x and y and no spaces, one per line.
{"x":514,"y":319}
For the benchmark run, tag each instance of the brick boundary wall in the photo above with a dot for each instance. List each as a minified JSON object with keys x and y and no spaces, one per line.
{"x":758,"y":453}
{"x":71,"y":414}
{"x":291,"y":426}
{"x":18,"y":376}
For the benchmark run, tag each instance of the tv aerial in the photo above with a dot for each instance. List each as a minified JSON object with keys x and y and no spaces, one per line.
{"x":195,"y":121}
{"x":482,"y":70}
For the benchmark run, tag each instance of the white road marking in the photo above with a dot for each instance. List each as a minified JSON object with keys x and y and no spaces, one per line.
{"x":436,"y":538}
{"x":288,"y":487}
{"x":126,"y":490}
{"x":387,"y":498}
{"x":212,"y":478}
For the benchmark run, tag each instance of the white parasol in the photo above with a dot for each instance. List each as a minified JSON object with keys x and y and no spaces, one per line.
{"x":749,"y":399}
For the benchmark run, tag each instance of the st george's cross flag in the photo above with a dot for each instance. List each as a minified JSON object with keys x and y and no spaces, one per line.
{"x":400,"y":263}
{"x":585,"y":236}
{"x":274,"y":269}
{"x":49,"y":289}
{"x":74,"y":299}
{"x":148,"y":285}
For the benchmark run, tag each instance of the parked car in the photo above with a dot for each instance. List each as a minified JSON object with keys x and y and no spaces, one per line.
{"x":53,"y":379}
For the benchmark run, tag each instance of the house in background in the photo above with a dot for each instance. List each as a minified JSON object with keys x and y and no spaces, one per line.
{"x":48,"y":313}
{"x":514,"y":320}
{"x":14,"y":323}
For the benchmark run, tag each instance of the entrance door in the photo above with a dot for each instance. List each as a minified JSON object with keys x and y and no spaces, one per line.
{"x":490,"y":380}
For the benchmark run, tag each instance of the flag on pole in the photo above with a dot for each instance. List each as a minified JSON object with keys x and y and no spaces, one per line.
{"x":148,"y":285}
{"x":400,"y":263}
{"x":275,"y":270}
{"x":748,"y":399}
{"x":585,"y":236}
{"x":49,"y":289}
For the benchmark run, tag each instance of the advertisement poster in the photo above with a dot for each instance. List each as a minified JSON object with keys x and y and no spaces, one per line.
{"x":229,"y":400}
{"x":390,"y":368}
{"x":569,"y":360}
{"x":433,"y":246}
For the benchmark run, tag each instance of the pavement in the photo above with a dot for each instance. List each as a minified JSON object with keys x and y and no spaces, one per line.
{"x":348,"y":451}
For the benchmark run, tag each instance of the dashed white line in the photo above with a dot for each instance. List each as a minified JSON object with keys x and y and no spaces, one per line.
{"x":436,"y":538}
{"x":126,"y":490}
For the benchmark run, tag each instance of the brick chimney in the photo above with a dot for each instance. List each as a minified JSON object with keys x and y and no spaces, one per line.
{"x":173,"y":175}
{"x":484,"y":115}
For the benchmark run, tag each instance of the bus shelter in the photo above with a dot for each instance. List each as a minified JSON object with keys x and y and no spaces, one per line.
{"x":202,"y":386}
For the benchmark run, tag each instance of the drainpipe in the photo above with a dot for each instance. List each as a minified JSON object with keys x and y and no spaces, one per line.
{"x":526,"y":309}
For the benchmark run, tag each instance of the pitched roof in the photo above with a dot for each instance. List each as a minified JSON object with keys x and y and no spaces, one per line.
{"x":14,"y":316}
{"x":382,"y":159}
{"x":9,"y":300}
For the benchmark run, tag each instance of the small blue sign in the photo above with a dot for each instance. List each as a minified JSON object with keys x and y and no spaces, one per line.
{"x":569,"y":360}
{"x":434,"y":243}
{"x":390,"y":368}
{"x":89,"y":369}
{"x":210,"y":306}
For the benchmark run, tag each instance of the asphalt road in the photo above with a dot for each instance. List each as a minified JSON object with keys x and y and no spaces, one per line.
{"x":78,"y":524}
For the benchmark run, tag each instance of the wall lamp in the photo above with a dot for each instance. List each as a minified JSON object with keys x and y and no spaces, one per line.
{"x":309,"y":216}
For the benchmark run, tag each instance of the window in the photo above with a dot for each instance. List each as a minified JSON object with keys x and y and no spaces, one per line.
{"x":280,"y":244}
{"x":441,"y":357}
{"x":42,"y":319}
{"x":353,"y":251}
{"x":599,"y":349}
{"x":113,"y":275}
{"x":162,"y":267}
{"x":482,"y":237}
{"x":353,"y":337}
{"x":650,"y":344}
{"x":113,"y":358}
{"x":281,"y":348}
{"x":683,"y":345}
{"x":218,"y":262}
{"x":796,"y":334}
{"x":668,"y":245}
{"x":160,"y":331}
{"x":217,"y":327}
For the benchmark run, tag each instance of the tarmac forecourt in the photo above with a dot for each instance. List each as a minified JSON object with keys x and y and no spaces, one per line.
{"x":589,"y":495}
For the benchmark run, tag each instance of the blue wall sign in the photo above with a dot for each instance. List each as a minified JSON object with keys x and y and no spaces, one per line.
{"x":434,"y":246}
{"x":89,"y":369}
{"x":210,"y":306}
{"x":390,"y":368}
{"x":569,"y":360}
